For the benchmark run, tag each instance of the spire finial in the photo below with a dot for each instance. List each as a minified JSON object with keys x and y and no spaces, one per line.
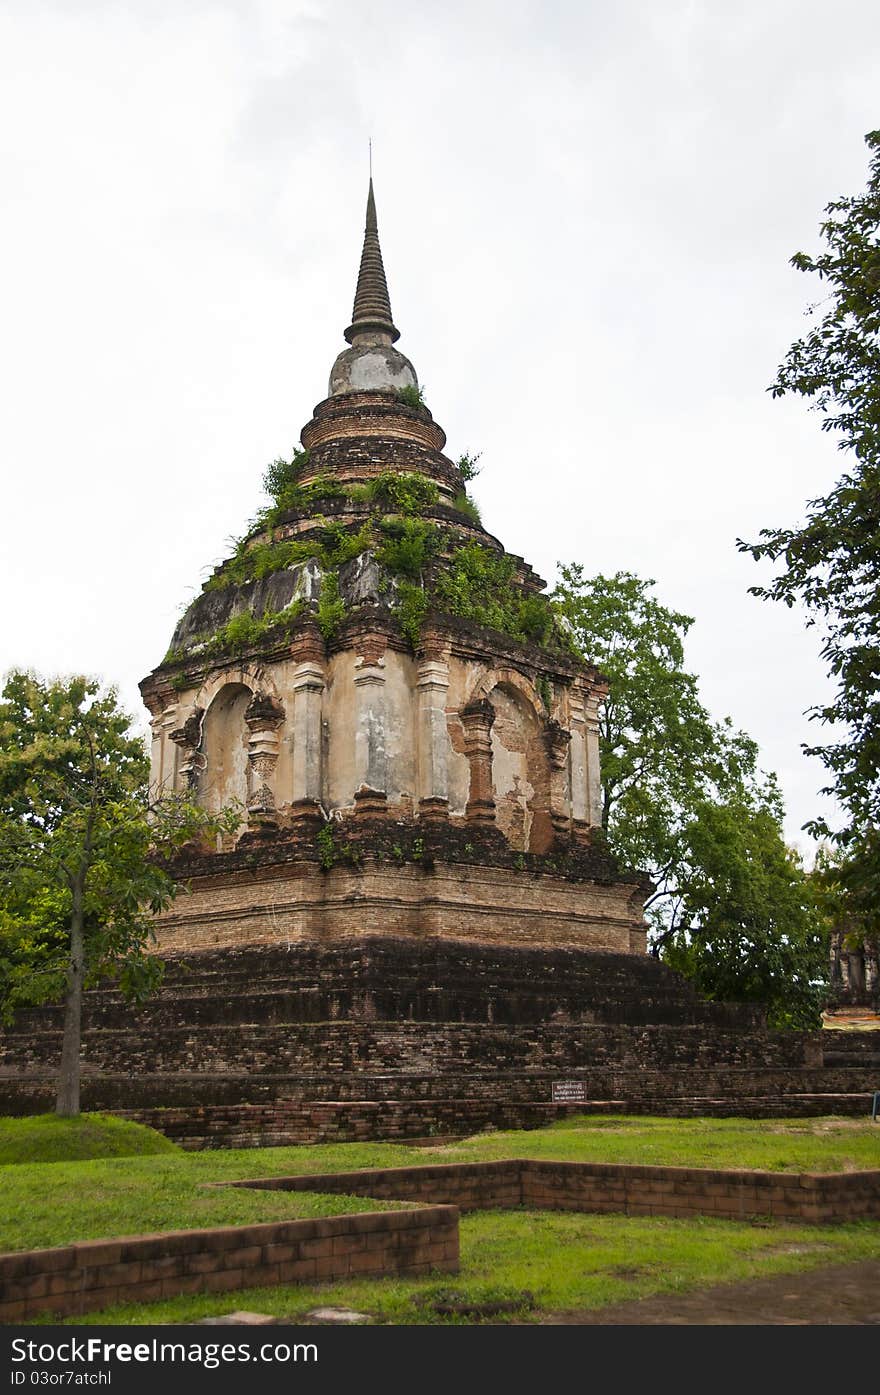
{"x":372,"y":308}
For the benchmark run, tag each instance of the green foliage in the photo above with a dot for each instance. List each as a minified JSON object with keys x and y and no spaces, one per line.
{"x":467,"y":466}
{"x":831,"y":564}
{"x":464,"y":504}
{"x":545,"y":690}
{"x":331,"y":606}
{"x":412,"y":395}
{"x":79,"y":884}
{"x":335,"y":545}
{"x":404,"y":492}
{"x":45,"y":1138}
{"x":411,"y":607}
{"x":407,"y":547}
{"x":754,"y":931}
{"x":260,"y":560}
{"x":340,"y":545}
{"x":479,"y":584}
{"x":246,"y":631}
{"x":535,"y":619}
{"x":326,"y":848}
{"x":283,"y":475}
{"x":683,"y":799}
{"x":330,"y":852}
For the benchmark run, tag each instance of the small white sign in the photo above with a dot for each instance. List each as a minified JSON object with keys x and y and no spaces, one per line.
{"x":569,"y":1092}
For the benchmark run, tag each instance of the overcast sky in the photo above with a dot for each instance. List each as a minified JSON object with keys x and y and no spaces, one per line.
{"x":586,"y":213}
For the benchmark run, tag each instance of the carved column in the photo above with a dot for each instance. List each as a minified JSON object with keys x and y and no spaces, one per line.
{"x":369,"y":738}
{"x":192,"y":762}
{"x":558,"y":740}
{"x":162,"y":723}
{"x":577,"y":765}
{"x":594,"y":774}
{"x":263,"y":716}
{"x":308,"y":694}
{"x":433,"y":685}
{"x":477,"y":719}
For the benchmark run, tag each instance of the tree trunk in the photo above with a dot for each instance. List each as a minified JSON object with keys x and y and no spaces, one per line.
{"x":67,"y":1101}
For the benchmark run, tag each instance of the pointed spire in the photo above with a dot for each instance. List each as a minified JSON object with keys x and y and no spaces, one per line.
{"x":372,"y":308}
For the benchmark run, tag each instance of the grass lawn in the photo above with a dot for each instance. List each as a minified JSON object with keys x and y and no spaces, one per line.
{"x":44,"y":1138}
{"x":564,"y":1260}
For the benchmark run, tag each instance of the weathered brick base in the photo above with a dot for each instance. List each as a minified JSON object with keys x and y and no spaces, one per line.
{"x":401,"y":1038}
{"x":74,"y":1279}
{"x":815,"y":1198}
{"x":284,"y":1125}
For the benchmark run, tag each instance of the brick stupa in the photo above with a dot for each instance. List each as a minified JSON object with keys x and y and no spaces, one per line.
{"x":415,"y":930}
{"x":387,"y":695}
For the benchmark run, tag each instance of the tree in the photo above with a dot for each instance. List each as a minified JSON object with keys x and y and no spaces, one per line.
{"x":81,"y":853}
{"x":749,"y":926}
{"x":684,"y":800}
{"x":831,"y":564}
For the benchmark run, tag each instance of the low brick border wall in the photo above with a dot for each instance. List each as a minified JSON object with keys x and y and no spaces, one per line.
{"x":73,"y":1279}
{"x":814,"y":1198}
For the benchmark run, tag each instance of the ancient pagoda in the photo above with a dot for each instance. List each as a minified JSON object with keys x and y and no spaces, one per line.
{"x":387,"y":696}
{"x":415,"y":929}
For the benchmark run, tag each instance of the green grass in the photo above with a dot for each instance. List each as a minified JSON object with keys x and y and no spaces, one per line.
{"x":563,"y":1260}
{"x":775,"y":1145}
{"x":89,"y":1200}
{"x":45,"y":1138}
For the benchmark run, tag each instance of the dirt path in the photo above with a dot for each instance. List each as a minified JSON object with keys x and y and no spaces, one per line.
{"x":845,"y":1293}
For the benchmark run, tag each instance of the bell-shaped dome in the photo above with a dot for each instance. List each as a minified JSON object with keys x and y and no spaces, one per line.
{"x":372,"y":364}
{"x":376,"y":367}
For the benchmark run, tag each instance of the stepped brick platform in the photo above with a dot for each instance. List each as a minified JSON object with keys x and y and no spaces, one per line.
{"x":405,"y":1038}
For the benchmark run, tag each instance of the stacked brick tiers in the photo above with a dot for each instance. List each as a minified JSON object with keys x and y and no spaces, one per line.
{"x":405,"y":1038}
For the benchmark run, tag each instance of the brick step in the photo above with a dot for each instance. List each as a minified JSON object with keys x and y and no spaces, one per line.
{"x":407,"y":1046}
{"x":402,"y":978}
{"x":340,"y":1121}
{"x":27,"y":1093}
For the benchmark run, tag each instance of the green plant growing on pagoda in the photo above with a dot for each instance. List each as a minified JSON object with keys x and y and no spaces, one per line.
{"x":326,"y":847}
{"x":245,"y":631}
{"x":479,"y":584}
{"x":464,"y":504}
{"x":331,"y":606}
{"x":402,"y":492}
{"x":411,"y":395}
{"x":83,"y":854}
{"x":410,"y":610}
{"x":340,"y":545}
{"x":282,"y":475}
{"x":407,"y":547}
{"x":467,"y":466}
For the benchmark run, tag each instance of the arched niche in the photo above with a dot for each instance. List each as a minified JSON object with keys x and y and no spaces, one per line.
{"x":223,"y":779}
{"x":520,"y":768}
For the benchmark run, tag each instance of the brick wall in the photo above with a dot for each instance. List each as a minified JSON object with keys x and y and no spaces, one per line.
{"x":74,"y":1279}
{"x":816,"y":1198}
{"x":468,"y":1186}
{"x":678,"y":1191}
{"x":342,"y":1048}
